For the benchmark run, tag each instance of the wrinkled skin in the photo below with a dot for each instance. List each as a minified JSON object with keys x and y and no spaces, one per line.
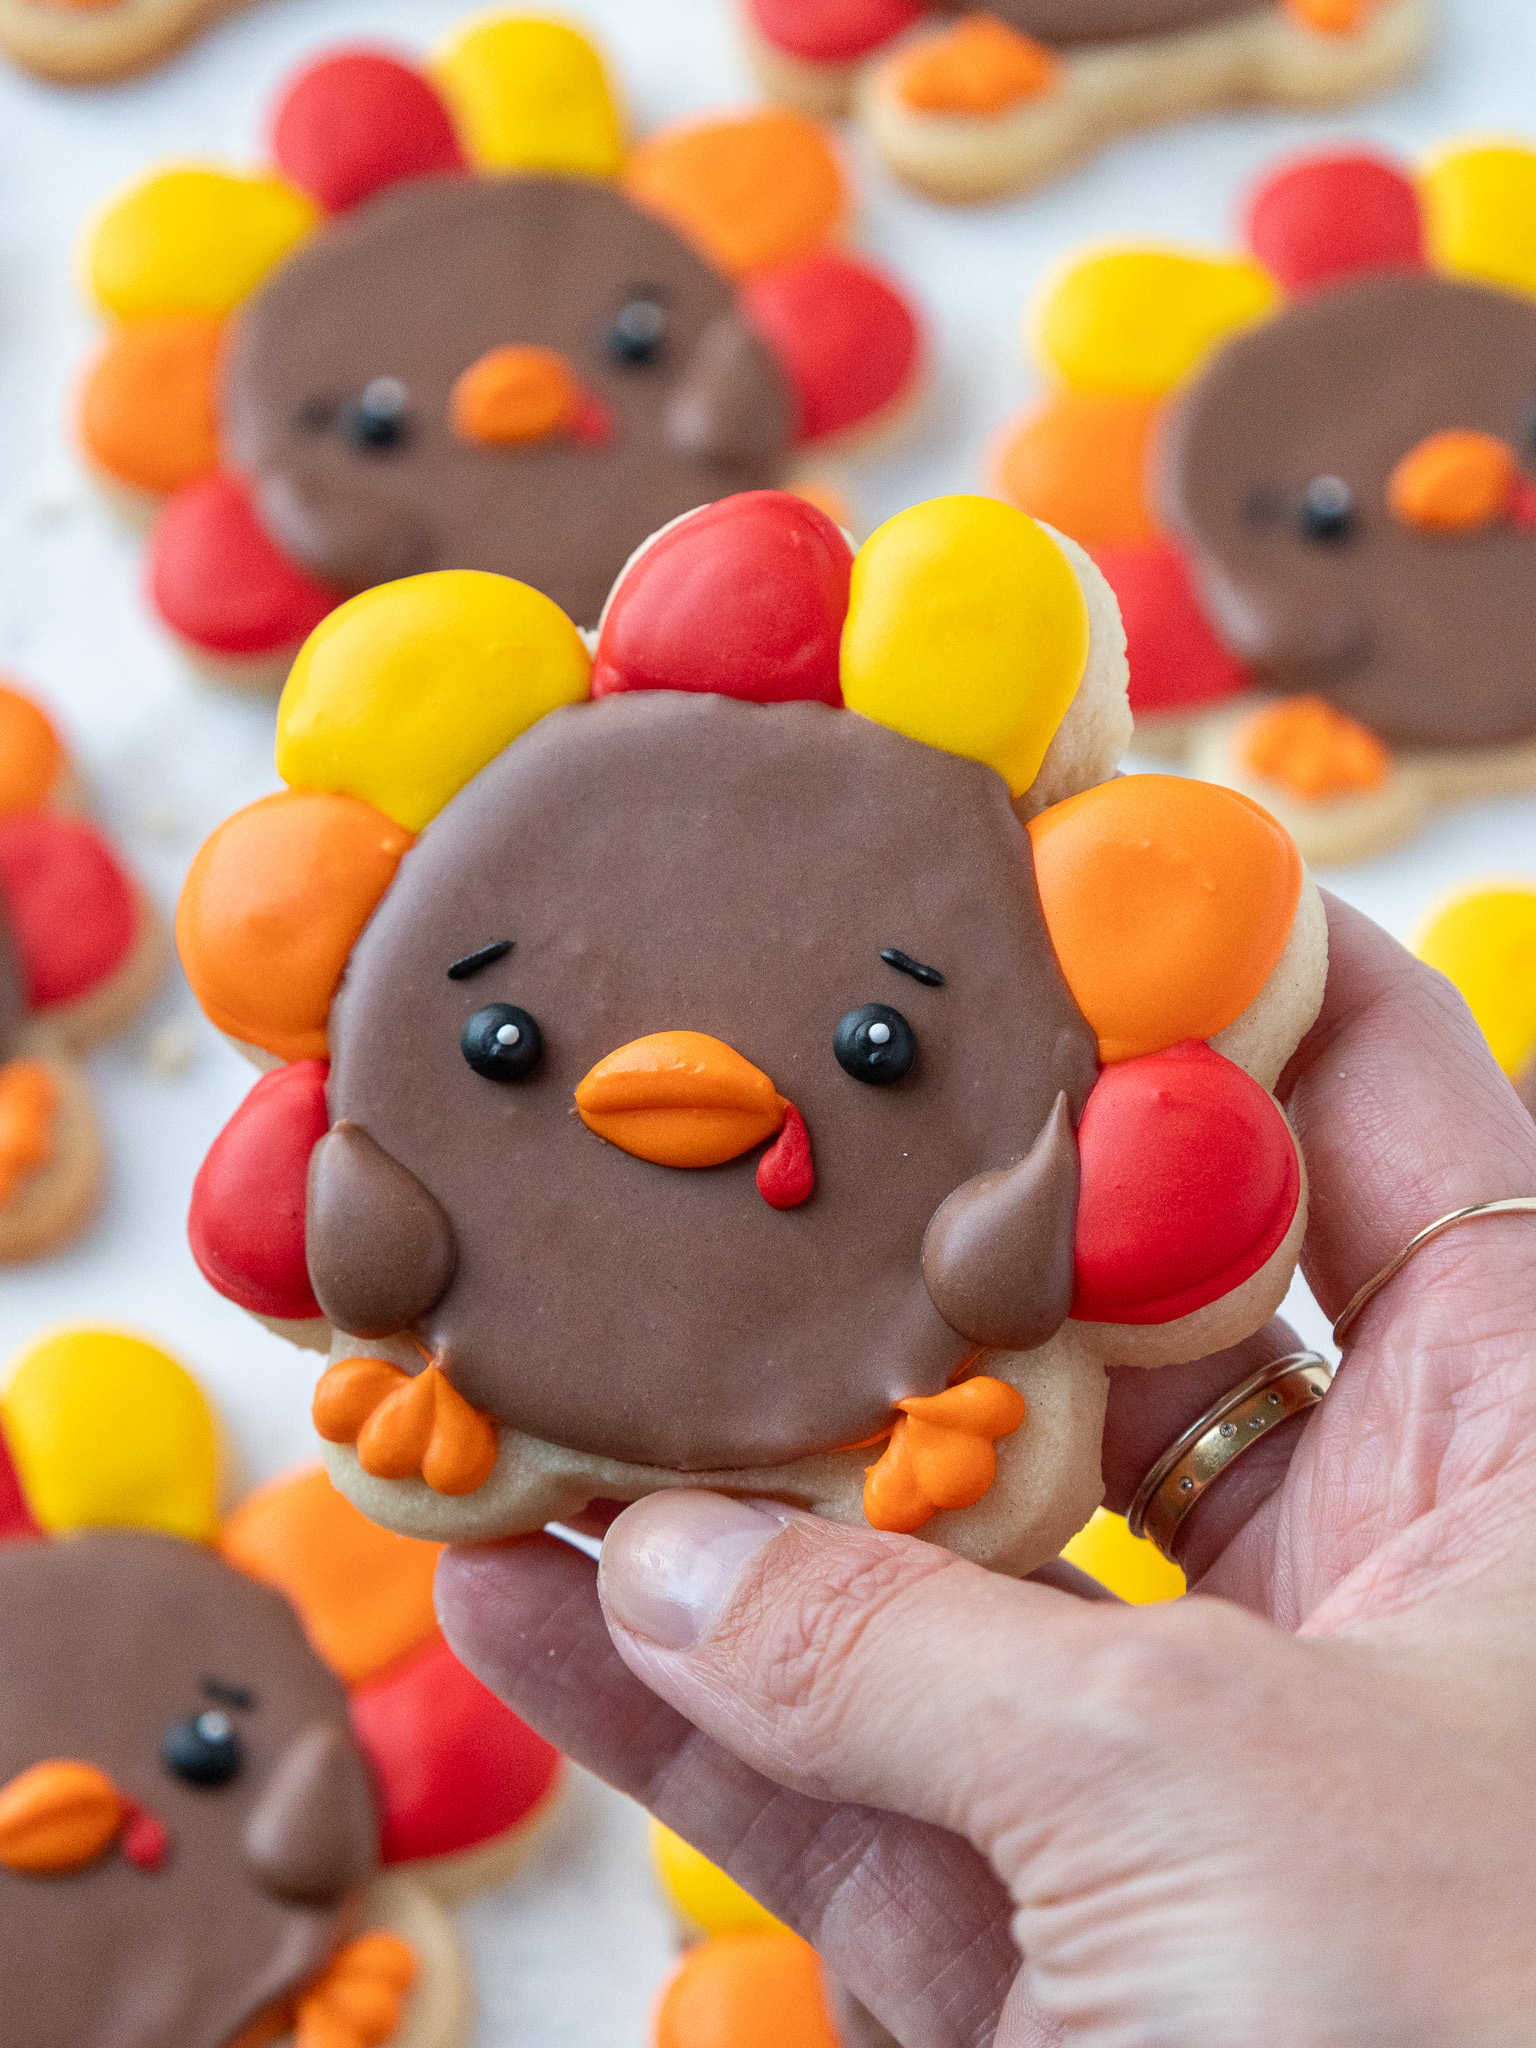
{"x":916,"y":1763}
{"x":419,"y":282}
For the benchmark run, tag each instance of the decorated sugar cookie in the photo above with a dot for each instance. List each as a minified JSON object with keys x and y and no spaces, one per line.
{"x":81,"y":950}
{"x":463,"y":324}
{"x":228,"y":1809}
{"x":1484,"y":940}
{"x":969,"y":102}
{"x":1307,"y":473}
{"x":771,"y":1053}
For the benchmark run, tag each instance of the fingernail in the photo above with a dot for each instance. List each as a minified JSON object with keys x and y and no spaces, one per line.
{"x":670,"y":1561}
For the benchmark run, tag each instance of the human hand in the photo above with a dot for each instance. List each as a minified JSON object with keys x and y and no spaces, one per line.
{"x":1299,"y":1813}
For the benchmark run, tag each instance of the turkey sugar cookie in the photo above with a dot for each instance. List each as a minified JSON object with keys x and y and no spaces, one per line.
{"x":81,"y":951}
{"x":72,"y":43}
{"x":966,"y":103}
{"x":1483,"y":940}
{"x":815,"y":879}
{"x":385,"y":356}
{"x":1307,"y":473}
{"x":243,"y":1747}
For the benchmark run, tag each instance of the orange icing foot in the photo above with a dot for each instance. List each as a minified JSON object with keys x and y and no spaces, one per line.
{"x":357,"y":2002}
{"x":980,"y":66}
{"x":404,"y":1427}
{"x":29,"y":1102}
{"x":940,"y":1454}
{"x":1314,"y":751}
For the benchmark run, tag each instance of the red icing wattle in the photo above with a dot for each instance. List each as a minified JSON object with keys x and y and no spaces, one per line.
{"x":744,"y":599}
{"x":454,"y":1766}
{"x":357,"y":121}
{"x":842,"y":333}
{"x":1176,"y":661}
{"x":1325,"y":217}
{"x":785,"y":1175}
{"x":70,"y":907}
{"x":216,"y":579}
{"x":15,"y":1516}
{"x":832,"y":31}
{"x":246,"y":1226}
{"x":145,"y":1841}
{"x":1190,"y":1180}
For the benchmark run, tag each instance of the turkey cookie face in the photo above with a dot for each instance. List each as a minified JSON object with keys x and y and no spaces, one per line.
{"x":1412,"y":629}
{"x":339,"y":391}
{"x":743,"y":867}
{"x":194,"y":1695}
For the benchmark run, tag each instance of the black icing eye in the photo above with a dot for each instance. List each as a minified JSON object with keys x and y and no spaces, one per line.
{"x":205,"y":1749}
{"x":1326,"y":511}
{"x":876,"y":1044}
{"x":637,"y":333}
{"x":502,"y":1042}
{"x":377,"y":418}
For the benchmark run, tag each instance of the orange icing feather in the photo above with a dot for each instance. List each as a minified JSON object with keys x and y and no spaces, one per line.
{"x":980,"y":66}
{"x":148,"y":407}
{"x":363,"y":1593}
{"x":31,"y":753}
{"x":747,"y":192}
{"x":1313,"y":750}
{"x":1079,"y":462}
{"x":273,"y":904}
{"x":29,"y":1107}
{"x":1168,"y":902}
{"x":755,"y":1988}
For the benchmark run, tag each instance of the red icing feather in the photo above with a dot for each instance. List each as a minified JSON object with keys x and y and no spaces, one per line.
{"x":1176,"y":661}
{"x":1318,"y":218}
{"x":216,"y":579}
{"x":357,"y":121}
{"x":843,"y":334}
{"x":16,"y":1520}
{"x":70,"y":906}
{"x":454,"y":1766}
{"x":246,"y":1227}
{"x":785,"y":1175}
{"x":746,"y":598}
{"x":832,"y":31}
{"x":1190,"y":1180}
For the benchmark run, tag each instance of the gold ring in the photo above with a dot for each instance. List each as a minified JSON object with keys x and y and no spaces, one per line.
{"x":1360,"y":1300}
{"x":1243,"y":1415}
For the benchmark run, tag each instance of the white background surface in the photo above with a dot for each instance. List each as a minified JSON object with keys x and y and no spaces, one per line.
{"x":572,"y":1951}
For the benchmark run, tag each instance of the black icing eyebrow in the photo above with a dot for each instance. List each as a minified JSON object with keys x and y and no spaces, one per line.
{"x":930,"y":977}
{"x":224,"y":1694}
{"x":483,"y":956}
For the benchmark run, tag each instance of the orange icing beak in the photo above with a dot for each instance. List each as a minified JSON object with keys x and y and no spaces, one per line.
{"x":57,"y":1817}
{"x":680,"y":1098}
{"x":515,"y":395}
{"x":1454,"y":482}
{"x":1314,"y":750}
{"x":981,"y":66}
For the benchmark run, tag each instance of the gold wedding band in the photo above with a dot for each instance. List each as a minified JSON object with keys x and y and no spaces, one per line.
{"x":1360,"y":1300}
{"x":1216,"y":1439}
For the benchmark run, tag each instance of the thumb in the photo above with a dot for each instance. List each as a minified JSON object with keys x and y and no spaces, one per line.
{"x":863,"y":1667}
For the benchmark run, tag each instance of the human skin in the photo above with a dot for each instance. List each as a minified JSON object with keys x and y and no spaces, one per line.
{"x":1296,"y":1809}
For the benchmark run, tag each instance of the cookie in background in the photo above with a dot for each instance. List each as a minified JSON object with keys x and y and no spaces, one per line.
{"x":244,"y":1744}
{"x":82,"y":950}
{"x":971,"y":103}
{"x":1482,"y":938}
{"x":1307,"y":471}
{"x":384,"y":355}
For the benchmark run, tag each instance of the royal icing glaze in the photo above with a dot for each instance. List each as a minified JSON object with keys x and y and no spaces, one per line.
{"x":389,"y":359}
{"x":1324,"y":490}
{"x":714,"y":1057}
{"x":1484,"y":941}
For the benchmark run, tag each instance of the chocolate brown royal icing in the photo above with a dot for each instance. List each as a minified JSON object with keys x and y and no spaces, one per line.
{"x":13,"y":998}
{"x":108,"y":1638}
{"x":1106,"y":21}
{"x":1428,"y":638}
{"x":671,"y":862}
{"x":416,"y":285}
